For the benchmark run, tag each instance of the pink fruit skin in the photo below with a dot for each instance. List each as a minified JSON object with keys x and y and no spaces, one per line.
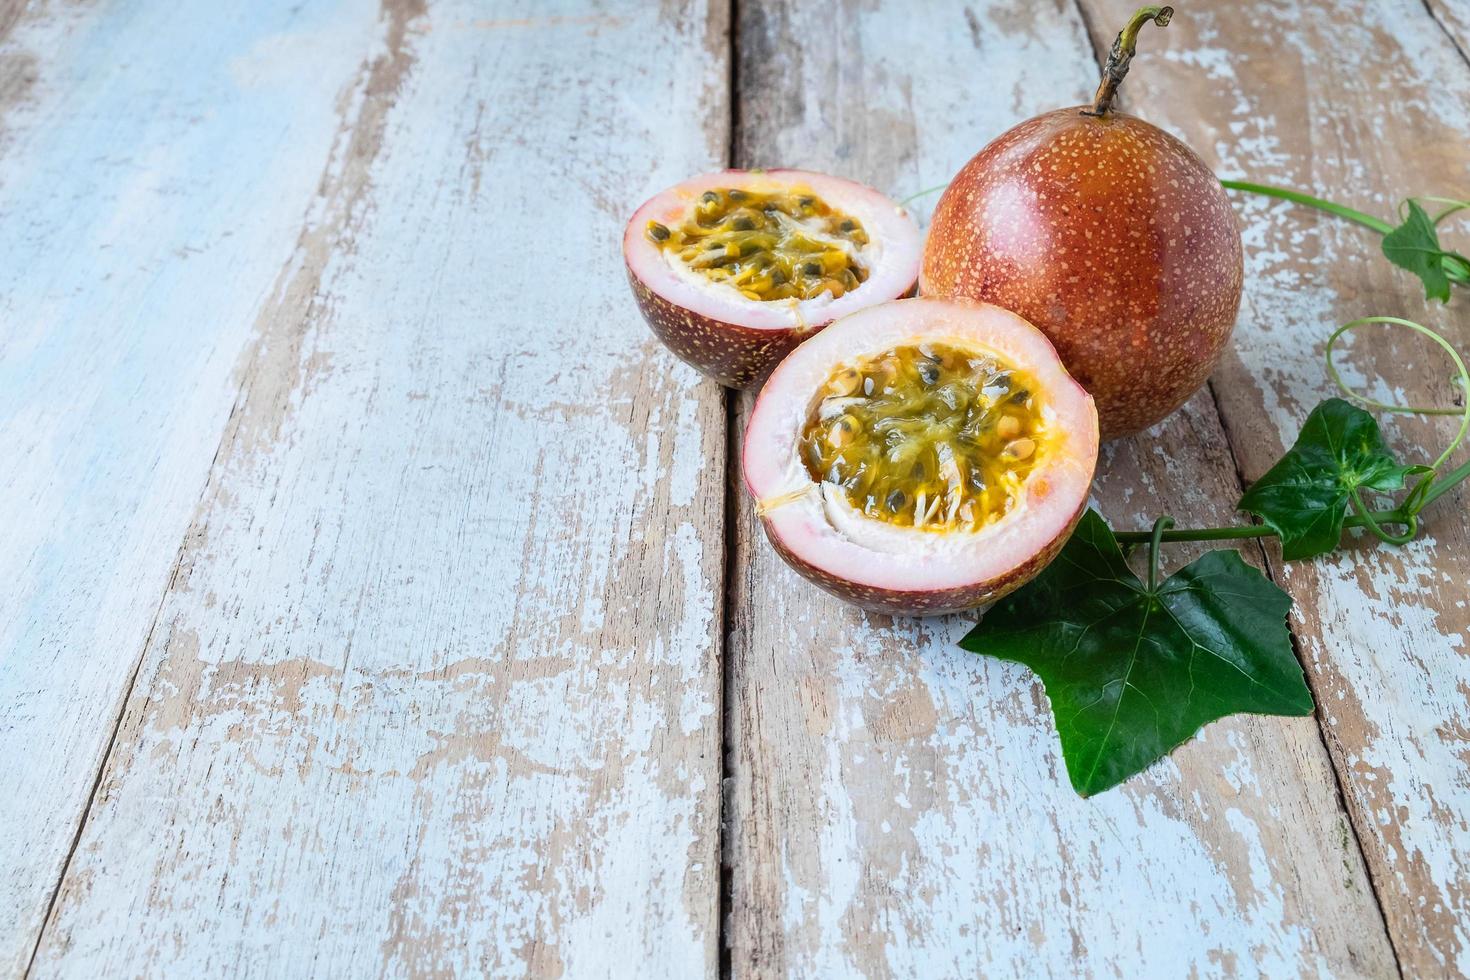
{"x":934,"y":603}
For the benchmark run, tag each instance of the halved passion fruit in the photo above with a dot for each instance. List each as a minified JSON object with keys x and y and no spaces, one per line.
{"x":923,"y":456}
{"x":734,"y":269}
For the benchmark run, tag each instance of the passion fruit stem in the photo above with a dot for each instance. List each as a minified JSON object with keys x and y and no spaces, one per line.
{"x":1160,"y":526}
{"x":1124,"y":47}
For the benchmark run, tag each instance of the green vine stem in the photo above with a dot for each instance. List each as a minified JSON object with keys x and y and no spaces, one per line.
{"x":1454,"y":206}
{"x":1443,"y":486}
{"x":1297,"y":197}
{"x":1160,"y":526}
{"x":1238,"y":532}
{"x":1456,"y":267}
{"x":1462,"y":375}
{"x":1125,"y":46}
{"x":1411,"y":520}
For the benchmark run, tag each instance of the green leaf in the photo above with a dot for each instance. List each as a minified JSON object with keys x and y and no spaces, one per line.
{"x":1130,"y":673}
{"x":1414,"y":245}
{"x":1304,"y":497}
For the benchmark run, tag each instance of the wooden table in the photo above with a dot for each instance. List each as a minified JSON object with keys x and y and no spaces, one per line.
{"x":380,"y":599}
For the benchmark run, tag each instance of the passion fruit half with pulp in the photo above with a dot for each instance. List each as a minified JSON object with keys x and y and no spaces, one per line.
{"x":734,"y":269}
{"x":921,"y":457}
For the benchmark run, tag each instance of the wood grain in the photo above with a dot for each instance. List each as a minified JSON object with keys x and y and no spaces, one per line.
{"x":1454,"y":17}
{"x":434,"y":688}
{"x":155,"y":165}
{"x":1364,"y":103}
{"x":898,"y":807}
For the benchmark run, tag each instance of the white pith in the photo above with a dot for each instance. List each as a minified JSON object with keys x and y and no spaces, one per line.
{"x":891,"y":256}
{"x":818,"y":523}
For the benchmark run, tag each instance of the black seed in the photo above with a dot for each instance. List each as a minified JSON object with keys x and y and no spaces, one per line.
{"x":977,"y":480}
{"x":657,"y":232}
{"x":738,"y":195}
{"x":744,"y":224}
{"x":1020,"y":394}
{"x":812,"y":268}
{"x":711,"y":197}
{"x":714,"y":246}
{"x":919,"y":471}
{"x":807,"y":202}
{"x":778,"y":278}
{"x":847,"y":226}
{"x":895,"y":501}
{"x":928,"y":372}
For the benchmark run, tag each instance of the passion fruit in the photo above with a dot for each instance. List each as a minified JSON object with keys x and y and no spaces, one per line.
{"x":734,"y":269}
{"x":920,"y":457}
{"x":1107,"y":233}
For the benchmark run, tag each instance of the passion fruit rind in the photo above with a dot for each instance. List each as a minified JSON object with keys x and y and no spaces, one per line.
{"x":734,"y":355}
{"x":897,"y":602}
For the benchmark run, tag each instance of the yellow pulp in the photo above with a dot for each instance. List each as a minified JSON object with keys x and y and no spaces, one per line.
{"x":786,"y":244}
{"x":927,"y":436}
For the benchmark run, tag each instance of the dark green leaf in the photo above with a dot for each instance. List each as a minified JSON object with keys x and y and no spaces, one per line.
{"x":1131,"y":673}
{"x":1304,"y":497}
{"x":1414,"y":245}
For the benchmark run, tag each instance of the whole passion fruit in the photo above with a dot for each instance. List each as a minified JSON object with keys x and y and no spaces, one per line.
{"x":922,"y":456}
{"x":734,"y":269}
{"x":1107,"y":233}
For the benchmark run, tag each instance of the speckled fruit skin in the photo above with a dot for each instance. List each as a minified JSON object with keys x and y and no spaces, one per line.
{"x":932,"y":603}
{"x":735,"y":356}
{"x":1111,"y":236}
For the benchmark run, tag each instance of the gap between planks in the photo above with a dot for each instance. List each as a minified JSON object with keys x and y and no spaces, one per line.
{"x":723,"y":901}
{"x":1434,"y":15}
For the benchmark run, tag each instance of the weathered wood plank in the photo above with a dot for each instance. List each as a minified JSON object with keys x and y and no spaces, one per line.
{"x":1454,"y":17}
{"x":155,"y":163}
{"x":435,"y":689}
{"x":1365,"y":103}
{"x":898,"y":807}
